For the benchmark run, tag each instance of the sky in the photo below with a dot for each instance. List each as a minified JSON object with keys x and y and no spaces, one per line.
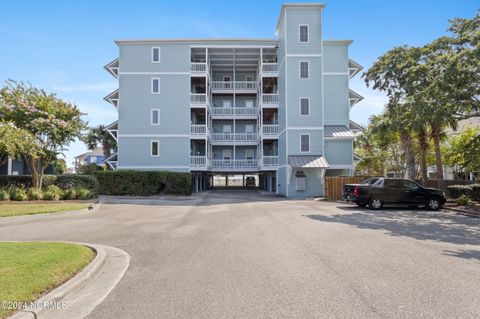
{"x":62,"y":46}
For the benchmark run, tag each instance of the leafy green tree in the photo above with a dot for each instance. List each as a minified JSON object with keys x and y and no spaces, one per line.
{"x":60,"y":166}
{"x":51,"y":123}
{"x":16,"y":143}
{"x":462,"y":151}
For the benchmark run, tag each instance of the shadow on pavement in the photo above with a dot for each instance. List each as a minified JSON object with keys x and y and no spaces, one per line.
{"x":415,"y":223}
{"x":462,"y":253}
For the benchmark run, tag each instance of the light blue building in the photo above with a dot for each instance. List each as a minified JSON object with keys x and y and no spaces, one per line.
{"x":276,"y":108}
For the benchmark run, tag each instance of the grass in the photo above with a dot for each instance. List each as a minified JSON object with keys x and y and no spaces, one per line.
{"x":40,"y":208}
{"x":28,"y":270}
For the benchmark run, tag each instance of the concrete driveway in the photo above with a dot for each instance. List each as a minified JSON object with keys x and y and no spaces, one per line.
{"x":245,"y":255}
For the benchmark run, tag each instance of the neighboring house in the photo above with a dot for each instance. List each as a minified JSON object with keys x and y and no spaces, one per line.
{"x":278,"y":108}
{"x":19,"y":167}
{"x":93,"y":157}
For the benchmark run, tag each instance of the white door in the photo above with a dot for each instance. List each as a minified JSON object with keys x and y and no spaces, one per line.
{"x":227,"y":154}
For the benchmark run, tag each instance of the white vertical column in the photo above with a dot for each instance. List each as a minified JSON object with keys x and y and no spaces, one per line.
{"x":9,"y":166}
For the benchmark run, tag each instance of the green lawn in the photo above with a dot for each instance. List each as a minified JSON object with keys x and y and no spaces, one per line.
{"x":27,"y":270}
{"x":31,"y":209}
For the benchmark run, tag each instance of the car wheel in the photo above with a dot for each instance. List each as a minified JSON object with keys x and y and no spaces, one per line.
{"x":375,"y":203}
{"x":433,"y":204}
{"x":361,"y":204}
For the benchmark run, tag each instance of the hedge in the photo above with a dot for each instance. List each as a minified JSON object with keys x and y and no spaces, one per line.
{"x":143,"y":183}
{"x":456,"y":191}
{"x":475,"y":191}
{"x":63,"y":181}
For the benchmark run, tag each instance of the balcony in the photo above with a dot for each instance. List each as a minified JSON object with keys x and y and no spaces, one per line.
{"x":269,"y":69}
{"x":241,"y":112}
{"x":237,"y":164}
{"x":230,"y":138}
{"x":270,"y":131}
{"x":198,"y":100}
{"x":270,"y":161}
{"x":198,"y":130}
{"x":201,"y":162}
{"x":198,"y":68}
{"x":269,"y":100}
{"x":231,"y":86}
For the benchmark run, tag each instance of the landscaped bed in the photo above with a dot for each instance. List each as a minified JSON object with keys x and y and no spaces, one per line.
{"x":17,"y":209}
{"x":29,"y":270}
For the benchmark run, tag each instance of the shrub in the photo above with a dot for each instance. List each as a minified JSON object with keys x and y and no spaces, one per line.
{"x":462,"y":200}
{"x":69,"y":194}
{"x":475,"y":191}
{"x":143,"y":183}
{"x":456,"y":191}
{"x":34,"y":194}
{"x":84,"y":193}
{"x":24,"y":181}
{"x":53,"y":189}
{"x":49,"y":195}
{"x":18,"y":194}
{"x":4,"y":194}
{"x":70,"y":181}
{"x":90,"y":169}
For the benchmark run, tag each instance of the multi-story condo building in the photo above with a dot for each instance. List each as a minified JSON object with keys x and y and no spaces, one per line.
{"x":275,"y":108}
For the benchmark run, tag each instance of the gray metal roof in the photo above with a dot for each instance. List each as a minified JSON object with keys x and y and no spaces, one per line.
{"x":339,"y":131}
{"x":307,"y":161}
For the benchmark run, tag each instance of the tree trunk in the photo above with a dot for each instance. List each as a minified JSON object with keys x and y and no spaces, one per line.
{"x":422,"y":138}
{"x":438,"y":155}
{"x":409,"y":154}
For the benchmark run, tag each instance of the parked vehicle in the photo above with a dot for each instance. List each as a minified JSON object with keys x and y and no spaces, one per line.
{"x":376,"y":192}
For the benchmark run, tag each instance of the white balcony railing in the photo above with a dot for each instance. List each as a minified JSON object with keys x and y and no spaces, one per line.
{"x":269,"y":68}
{"x":237,"y":85}
{"x":198,"y":98}
{"x":234,"y":137}
{"x":270,"y":161}
{"x":196,"y":129}
{"x":198,"y":67}
{"x":228,"y":111}
{"x":270,"y":129}
{"x":198,"y":161}
{"x":239,"y":163}
{"x":270,"y":99}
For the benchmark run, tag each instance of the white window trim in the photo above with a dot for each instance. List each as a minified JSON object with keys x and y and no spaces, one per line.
{"x":297,"y":179}
{"x":308,"y":33}
{"x":151,"y":85}
{"x":159,"y":55}
{"x":151,"y":117}
{"x":227,"y":76}
{"x":309,"y":143}
{"x":151,"y":148}
{"x":300,"y":70}
{"x":300,"y":105}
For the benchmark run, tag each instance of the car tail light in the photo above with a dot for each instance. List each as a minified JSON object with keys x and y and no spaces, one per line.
{"x":355,"y":191}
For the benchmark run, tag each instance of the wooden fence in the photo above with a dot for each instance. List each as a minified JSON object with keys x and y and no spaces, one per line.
{"x":334,"y":185}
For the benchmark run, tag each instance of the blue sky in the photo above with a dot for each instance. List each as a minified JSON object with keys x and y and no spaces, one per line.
{"x":61,"y":46}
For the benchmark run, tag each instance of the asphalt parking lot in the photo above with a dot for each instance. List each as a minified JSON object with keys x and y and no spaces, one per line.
{"x":248,"y":255}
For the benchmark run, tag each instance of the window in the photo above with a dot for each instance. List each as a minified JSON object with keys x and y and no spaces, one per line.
{"x":155,"y":86}
{"x":301,"y":181}
{"x":227,"y":103}
{"x":155,"y":55}
{"x":304,"y":106}
{"x":227,"y":128}
{"x":249,"y":128}
{"x":305,"y":143}
{"x":154,"y":148}
{"x":227,"y":78}
{"x":249,"y":103}
{"x":227,"y":154}
{"x":303,"y":33}
{"x":93,"y":159}
{"x":304,"y":69}
{"x":155,"y":118}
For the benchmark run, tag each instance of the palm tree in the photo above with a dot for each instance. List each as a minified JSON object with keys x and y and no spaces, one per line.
{"x":99,"y":135}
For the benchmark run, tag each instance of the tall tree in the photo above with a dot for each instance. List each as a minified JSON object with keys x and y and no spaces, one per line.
{"x":50,"y":123}
{"x":99,"y":136}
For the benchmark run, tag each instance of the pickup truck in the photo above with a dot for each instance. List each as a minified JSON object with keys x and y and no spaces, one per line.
{"x":376,"y":192}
